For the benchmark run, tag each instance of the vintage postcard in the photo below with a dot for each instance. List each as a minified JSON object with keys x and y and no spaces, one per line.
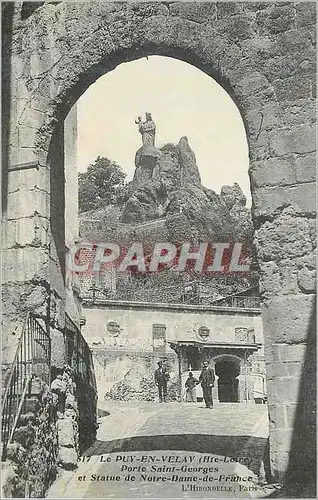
{"x":158,"y":197}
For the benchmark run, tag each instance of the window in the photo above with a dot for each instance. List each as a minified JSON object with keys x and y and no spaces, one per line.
{"x":241,"y":334}
{"x":159,"y":339}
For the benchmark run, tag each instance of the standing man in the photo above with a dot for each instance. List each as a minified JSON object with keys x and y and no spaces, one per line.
{"x":161,"y":379}
{"x":207,"y":379}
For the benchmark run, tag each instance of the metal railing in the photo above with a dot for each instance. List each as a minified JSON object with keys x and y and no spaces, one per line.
{"x":32,"y":359}
{"x":78,"y":354}
{"x":242,"y":302}
{"x":80,"y":359}
{"x":171,"y":295}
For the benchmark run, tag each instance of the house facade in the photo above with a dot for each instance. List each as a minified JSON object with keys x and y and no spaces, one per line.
{"x":129,"y":338}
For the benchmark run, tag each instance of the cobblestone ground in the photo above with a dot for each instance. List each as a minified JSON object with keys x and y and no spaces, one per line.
{"x":172,"y":450}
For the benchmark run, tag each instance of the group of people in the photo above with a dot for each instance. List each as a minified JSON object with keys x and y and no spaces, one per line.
{"x":206,"y":379}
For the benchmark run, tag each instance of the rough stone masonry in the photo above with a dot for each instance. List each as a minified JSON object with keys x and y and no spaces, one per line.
{"x":263,"y":54}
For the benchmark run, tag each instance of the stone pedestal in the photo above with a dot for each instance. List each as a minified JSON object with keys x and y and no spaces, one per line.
{"x":146,"y":160}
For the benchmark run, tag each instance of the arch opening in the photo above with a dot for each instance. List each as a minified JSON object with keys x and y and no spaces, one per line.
{"x":228,"y":371}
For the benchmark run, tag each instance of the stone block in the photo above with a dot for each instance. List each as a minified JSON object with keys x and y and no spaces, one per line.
{"x":289,"y":352}
{"x":34,"y":117}
{"x":279,"y":462}
{"x":299,"y":64}
{"x":286,"y":389}
{"x":306,"y":13}
{"x":290,"y":414}
{"x":277,"y":416}
{"x":66,"y":432}
{"x":288,"y":278}
{"x":307,"y":280}
{"x":194,"y":11}
{"x":26,"y":136}
{"x":287,"y":319}
{"x":226,"y":9}
{"x":19,"y":155}
{"x":285,"y":238}
{"x":308,"y":260}
{"x":300,"y":139}
{"x":292,"y":88}
{"x":58,"y":359}
{"x":276,"y":19}
{"x":270,"y":279}
{"x":253,"y":82}
{"x":265,"y":117}
{"x":24,"y":203}
{"x":273,"y":171}
{"x":305,"y":167}
{"x":260,"y":48}
{"x":293,"y":41}
{"x":37,"y":302}
{"x":31,"y":231}
{"x":279,"y":369}
{"x":238,"y":27}
{"x":298,"y":112}
{"x":270,"y":200}
{"x":28,"y":179}
{"x":25,"y":264}
{"x":281,"y":440}
{"x":263,"y":97}
{"x":272,"y":351}
{"x":67,"y":458}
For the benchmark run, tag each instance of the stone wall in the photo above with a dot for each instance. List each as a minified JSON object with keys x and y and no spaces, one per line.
{"x":263,"y":54}
{"x":127,"y":376}
{"x":33,"y":453}
{"x":51,"y":433}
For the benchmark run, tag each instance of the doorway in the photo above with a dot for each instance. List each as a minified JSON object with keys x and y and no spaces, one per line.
{"x":227,"y":371}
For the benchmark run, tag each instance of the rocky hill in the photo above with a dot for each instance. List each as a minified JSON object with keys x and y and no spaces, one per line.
{"x":167,"y":184}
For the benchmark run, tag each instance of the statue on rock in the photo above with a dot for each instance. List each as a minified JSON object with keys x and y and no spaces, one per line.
{"x":147,"y":156}
{"x":147,"y":130}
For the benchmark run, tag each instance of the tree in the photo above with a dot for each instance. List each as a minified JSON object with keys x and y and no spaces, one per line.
{"x":102,"y":184}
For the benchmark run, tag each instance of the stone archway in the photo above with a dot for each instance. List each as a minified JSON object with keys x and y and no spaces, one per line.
{"x":62,"y":48}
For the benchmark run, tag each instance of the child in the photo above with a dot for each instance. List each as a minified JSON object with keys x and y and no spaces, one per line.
{"x":190,"y":384}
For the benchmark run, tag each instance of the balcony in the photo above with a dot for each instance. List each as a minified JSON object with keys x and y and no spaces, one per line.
{"x":242,"y":302}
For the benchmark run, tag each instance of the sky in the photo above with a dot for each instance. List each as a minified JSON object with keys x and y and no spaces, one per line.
{"x":183,"y":101}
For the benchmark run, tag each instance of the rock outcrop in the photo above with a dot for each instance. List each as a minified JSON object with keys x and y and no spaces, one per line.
{"x":167,"y":183}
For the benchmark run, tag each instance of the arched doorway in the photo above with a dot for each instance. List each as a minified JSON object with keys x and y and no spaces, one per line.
{"x":227,"y":369}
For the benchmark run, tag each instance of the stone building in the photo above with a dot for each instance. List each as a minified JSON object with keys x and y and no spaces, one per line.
{"x":129,"y":338}
{"x":264,"y":55}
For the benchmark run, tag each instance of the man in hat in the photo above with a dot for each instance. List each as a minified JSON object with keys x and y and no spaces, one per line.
{"x":207,"y":379}
{"x":161,"y":379}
